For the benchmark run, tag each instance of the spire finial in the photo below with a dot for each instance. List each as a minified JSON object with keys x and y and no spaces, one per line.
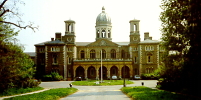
{"x":103,"y":9}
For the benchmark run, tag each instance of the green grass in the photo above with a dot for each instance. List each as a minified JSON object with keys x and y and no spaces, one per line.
{"x":145,"y":93}
{"x":105,"y":83}
{"x":14,"y":91}
{"x":52,"y":94}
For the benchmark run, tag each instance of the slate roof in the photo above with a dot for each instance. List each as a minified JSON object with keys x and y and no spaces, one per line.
{"x":149,"y":41}
{"x":82,"y":43}
{"x":55,"y":42}
{"x":41,"y":44}
{"x":122,"y":43}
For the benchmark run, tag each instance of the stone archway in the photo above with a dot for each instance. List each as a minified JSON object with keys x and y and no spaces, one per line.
{"x":91,"y":72}
{"x":114,"y":71}
{"x":104,"y":69}
{"x":80,"y":72}
{"x":127,"y":72}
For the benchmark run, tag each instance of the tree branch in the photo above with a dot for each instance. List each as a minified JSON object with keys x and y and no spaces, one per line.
{"x":22,"y":27}
{"x":1,"y":6}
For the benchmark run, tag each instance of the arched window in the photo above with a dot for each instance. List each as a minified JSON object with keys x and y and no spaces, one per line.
{"x":109,"y":34}
{"x":149,"y":58}
{"x":82,"y":55}
{"x":92,"y":54}
{"x":103,"y":54}
{"x":122,"y":54}
{"x":69,"y":28}
{"x":113,"y":53}
{"x":135,"y":27}
{"x":103,"y":34}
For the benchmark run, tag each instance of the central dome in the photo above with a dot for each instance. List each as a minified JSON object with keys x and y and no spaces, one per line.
{"x":103,"y":18}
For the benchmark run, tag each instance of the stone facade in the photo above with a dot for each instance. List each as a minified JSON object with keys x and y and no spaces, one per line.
{"x":83,"y":59}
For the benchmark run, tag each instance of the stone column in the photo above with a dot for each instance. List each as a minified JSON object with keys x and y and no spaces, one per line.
{"x":85,"y":73}
{"x":108,"y":73}
{"x":74,"y":73}
{"x":106,"y":33}
{"x":120,"y":76}
{"x":97,"y":74}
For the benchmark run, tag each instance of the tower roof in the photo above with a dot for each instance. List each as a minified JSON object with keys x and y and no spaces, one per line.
{"x":103,"y":18}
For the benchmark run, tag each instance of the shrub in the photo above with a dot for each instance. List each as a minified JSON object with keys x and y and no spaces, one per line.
{"x":54,"y":76}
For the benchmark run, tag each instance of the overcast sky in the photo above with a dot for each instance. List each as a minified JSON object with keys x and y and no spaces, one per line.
{"x":50,"y":15}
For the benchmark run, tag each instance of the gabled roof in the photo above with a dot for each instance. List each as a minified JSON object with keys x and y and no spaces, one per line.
{"x":102,"y":42}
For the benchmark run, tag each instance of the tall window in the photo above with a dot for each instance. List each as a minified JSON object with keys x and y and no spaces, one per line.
{"x":82,"y":55}
{"x":135,"y":59}
{"x":103,"y":54}
{"x":149,"y":57}
{"x":98,"y":34}
{"x":113,"y":53}
{"x":135,"y":27}
{"x":92,"y":54}
{"x":109,"y":34}
{"x":54,"y":58}
{"x":123,"y":54}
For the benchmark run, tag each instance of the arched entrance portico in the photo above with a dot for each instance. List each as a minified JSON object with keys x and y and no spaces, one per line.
{"x":104,"y":70}
{"x":126,"y":71}
{"x":91,"y":72}
{"x":80,"y":72}
{"x":114,"y":71}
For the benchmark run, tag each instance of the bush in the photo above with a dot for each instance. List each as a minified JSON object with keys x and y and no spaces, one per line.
{"x":54,"y":76}
{"x":150,"y":76}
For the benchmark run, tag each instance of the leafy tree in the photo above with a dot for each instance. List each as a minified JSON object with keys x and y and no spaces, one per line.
{"x":181,"y":22}
{"x":16,"y":68}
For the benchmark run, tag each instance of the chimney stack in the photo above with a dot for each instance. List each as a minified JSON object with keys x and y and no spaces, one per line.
{"x":52,"y":39}
{"x":146,"y":35}
{"x":58,"y":36}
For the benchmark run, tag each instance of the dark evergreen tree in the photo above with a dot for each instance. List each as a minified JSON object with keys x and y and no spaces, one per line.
{"x":181,"y":36}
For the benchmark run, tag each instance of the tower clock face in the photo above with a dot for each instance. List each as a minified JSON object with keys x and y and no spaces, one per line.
{"x":69,"y":39}
{"x":135,"y":38}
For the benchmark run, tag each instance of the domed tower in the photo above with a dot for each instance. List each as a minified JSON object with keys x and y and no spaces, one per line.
{"x":103,"y":26}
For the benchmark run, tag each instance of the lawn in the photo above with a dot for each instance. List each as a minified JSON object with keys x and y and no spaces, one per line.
{"x":145,"y":93}
{"x":52,"y":94}
{"x":104,"y":83}
{"x":14,"y":91}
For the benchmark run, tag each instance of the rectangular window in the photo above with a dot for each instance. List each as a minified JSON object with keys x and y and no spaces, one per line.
{"x":69,"y":60}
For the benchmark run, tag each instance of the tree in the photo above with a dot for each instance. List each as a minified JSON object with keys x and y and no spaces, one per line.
{"x":16,"y":68}
{"x":181,"y":22}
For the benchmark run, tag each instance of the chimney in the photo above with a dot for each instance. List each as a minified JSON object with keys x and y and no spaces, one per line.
{"x":146,"y":35}
{"x":52,"y":39}
{"x":150,"y":38}
{"x":58,"y":36}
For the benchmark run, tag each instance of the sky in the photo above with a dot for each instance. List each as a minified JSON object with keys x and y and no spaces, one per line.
{"x":49,"y":16}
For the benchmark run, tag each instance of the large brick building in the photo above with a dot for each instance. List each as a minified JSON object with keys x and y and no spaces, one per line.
{"x":72,"y":59}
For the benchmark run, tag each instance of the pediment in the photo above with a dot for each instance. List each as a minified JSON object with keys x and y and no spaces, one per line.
{"x":102,"y":42}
